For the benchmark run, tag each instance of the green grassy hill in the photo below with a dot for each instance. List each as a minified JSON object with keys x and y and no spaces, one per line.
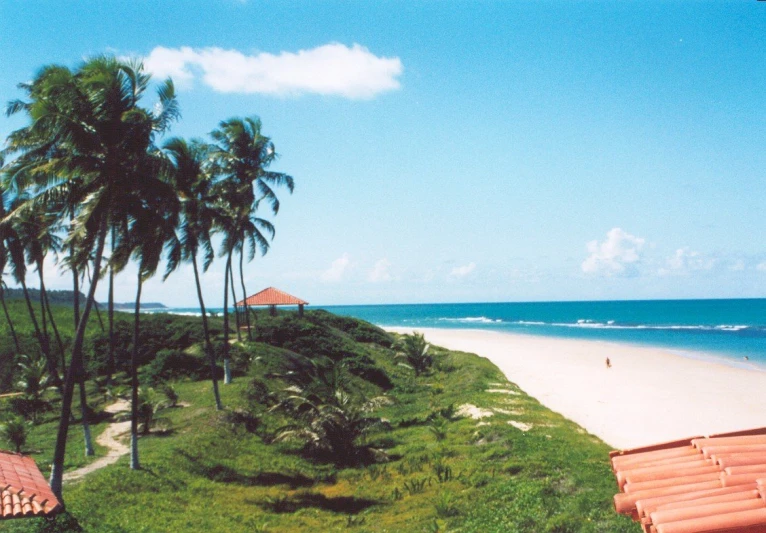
{"x":429,"y":466}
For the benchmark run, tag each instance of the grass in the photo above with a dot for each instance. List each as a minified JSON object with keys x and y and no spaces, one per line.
{"x":208,"y":473}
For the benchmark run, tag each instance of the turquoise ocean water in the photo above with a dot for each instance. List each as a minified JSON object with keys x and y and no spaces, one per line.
{"x":724,"y":330}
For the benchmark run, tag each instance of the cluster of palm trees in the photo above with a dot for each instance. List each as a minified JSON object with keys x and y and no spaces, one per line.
{"x":88,"y":180}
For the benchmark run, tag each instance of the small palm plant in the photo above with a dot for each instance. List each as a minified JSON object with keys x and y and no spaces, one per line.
{"x":14,"y":431}
{"x":327,"y":418}
{"x":414,"y":349}
{"x":33,"y":382}
{"x":148,"y":408}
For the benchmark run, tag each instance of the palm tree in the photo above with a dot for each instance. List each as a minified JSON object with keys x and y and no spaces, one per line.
{"x":15,"y":244}
{"x":244,"y":154}
{"x":146,"y":231}
{"x":14,"y":430}
{"x":194,"y":183}
{"x":327,"y":418}
{"x":33,"y":381}
{"x":38,"y":233}
{"x":414,"y":349}
{"x":86,"y":125}
{"x":3,"y":263}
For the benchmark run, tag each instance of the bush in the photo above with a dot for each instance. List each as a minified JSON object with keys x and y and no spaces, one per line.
{"x":14,"y":431}
{"x":358,"y":330}
{"x":365,"y":368}
{"x":173,"y":364}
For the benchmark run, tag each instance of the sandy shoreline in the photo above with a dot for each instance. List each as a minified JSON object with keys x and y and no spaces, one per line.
{"x":649,"y":395}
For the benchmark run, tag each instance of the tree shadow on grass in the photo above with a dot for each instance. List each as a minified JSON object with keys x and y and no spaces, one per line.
{"x":225,"y":474}
{"x":348,"y":505}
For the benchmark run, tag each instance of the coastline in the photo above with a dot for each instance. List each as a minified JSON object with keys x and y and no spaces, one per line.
{"x":649,"y":394}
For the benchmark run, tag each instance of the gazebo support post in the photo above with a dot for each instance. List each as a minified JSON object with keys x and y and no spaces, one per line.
{"x":273,"y":310}
{"x":300,"y":310}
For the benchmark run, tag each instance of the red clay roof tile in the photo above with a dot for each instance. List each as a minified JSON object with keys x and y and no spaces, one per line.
{"x":23,"y":489}
{"x":696,"y":485}
{"x":272,"y":296}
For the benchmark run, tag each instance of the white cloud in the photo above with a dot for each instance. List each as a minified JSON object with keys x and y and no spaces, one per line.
{"x":462,"y":271}
{"x":618,"y":255}
{"x":380,"y":272}
{"x":330,"y":69}
{"x":337,"y":269}
{"x":761,"y":266}
{"x":685,"y":260}
{"x":737,"y":266}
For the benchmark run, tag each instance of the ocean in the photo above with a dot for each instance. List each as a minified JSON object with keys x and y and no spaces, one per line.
{"x":727,"y":331}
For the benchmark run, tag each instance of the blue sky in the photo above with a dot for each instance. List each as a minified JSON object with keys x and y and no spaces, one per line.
{"x":463,"y":151}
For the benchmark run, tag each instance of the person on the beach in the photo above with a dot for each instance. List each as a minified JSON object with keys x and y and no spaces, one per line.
{"x":608,"y":363}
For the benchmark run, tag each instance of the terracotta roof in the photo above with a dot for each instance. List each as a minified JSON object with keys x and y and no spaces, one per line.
{"x":23,"y":489}
{"x":696,"y":485}
{"x":272,"y":296}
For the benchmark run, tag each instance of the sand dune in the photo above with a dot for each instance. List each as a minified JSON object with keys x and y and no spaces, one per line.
{"x":649,"y":395}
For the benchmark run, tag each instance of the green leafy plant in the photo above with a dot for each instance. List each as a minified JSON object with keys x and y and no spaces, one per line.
{"x":445,"y":505}
{"x":414,"y":349}
{"x":14,"y":431}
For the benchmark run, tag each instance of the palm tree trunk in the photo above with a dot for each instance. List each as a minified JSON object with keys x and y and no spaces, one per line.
{"x":8,"y":318}
{"x":244,"y":294}
{"x":110,"y":318}
{"x":44,"y":318}
{"x":89,"y":451}
{"x":226,"y":366}
{"x":208,"y":344}
{"x":52,"y":370}
{"x":134,"y":464}
{"x":234,"y":302}
{"x":57,"y":469}
{"x":76,"y":287}
{"x":59,"y":342}
{"x":98,"y":313}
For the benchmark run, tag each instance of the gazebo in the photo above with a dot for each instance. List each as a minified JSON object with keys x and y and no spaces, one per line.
{"x":273,"y":297}
{"x":24,"y":493}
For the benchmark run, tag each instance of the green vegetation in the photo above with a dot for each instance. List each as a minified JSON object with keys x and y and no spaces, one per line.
{"x":420,"y":462}
{"x":319,"y":424}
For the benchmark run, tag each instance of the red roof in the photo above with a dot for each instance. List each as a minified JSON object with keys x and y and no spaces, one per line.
{"x":698,"y":485}
{"x":272,"y":296}
{"x":23,"y":489}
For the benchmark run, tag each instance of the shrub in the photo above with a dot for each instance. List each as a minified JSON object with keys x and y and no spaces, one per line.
{"x":14,"y":431}
{"x":445,"y":505}
{"x":173,"y":364}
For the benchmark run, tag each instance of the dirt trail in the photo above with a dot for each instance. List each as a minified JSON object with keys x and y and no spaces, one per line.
{"x":109,"y":440}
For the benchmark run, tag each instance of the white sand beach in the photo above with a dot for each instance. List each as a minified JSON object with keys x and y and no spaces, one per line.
{"x":649,"y":395}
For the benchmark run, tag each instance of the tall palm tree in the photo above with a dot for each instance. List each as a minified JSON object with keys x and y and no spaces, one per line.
{"x":244,"y":155}
{"x":16,"y":244}
{"x":149,"y":230}
{"x":3,"y":263}
{"x":198,"y":212}
{"x":38,"y":233}
{"x":86,"y":125}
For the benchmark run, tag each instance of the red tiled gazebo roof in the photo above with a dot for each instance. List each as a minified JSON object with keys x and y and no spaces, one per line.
{"x":24,"y":493}
{"x":272,"y":296}
{"x":697,"y":485}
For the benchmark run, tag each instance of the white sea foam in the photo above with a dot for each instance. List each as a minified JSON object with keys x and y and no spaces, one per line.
{"x":472,"y":319}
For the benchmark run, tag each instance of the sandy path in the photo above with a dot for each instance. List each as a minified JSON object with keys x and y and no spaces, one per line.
{"x":108,"y":439}
{"x":648,"y":396}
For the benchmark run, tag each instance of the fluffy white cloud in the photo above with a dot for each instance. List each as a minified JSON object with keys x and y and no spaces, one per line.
{"x":761,"y":266}
{"x":330,"y":69}
{"x":380,"y":272}
{"x":618,"y":255}
{"x":462,"y":271}
{"x":337,"y":269}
